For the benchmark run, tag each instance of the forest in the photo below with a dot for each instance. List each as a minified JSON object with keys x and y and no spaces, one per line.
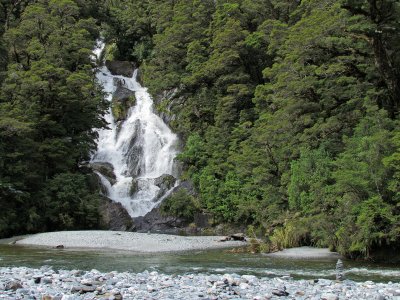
{"x":288,"y":111}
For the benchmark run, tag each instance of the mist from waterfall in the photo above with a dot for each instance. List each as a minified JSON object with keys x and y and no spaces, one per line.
{"x":141,"y":148}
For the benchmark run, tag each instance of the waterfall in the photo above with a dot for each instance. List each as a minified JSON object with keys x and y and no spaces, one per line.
{"x":140,"y":149}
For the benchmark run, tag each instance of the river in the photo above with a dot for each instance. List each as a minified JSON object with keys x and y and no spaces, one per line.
{"x":210,"y":261}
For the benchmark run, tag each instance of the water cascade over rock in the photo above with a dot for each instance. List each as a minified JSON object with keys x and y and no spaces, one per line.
{"x":138,"y":146}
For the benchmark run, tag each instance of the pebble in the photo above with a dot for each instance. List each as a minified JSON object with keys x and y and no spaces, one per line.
{"x":47,"y":284}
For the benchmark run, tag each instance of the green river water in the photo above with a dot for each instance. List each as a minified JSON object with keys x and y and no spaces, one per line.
{"x":212,"y":262}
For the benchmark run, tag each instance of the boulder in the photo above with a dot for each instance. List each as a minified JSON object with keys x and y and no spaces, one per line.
{"x":122,"y":68}
{"x":119,"y":82}
{"x":165,"y":182}
{"x":105,"y":169}
{"x":114,"y":216}
{"x":155,"y":221}
{"x":122,"y":100}
{"x":238,"y":237}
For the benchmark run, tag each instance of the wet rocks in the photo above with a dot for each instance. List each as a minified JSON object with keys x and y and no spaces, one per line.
{"x":122,"y":100}
{"x":105,"y":169}
{"x":123,"y":68}
{"x":79,"y":285}
{"x":238,"y":237}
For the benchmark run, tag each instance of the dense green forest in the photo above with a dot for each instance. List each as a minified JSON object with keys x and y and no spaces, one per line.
{"x":288,"y":111}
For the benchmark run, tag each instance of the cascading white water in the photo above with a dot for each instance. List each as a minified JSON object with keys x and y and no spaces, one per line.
{"x":141,"y":148}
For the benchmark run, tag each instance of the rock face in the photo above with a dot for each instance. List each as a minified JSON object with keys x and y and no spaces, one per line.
{"x":105,"y":169}
{"x":123,"y":68}
{"x":122,"y":100}
{"x":165,"y":182}
{"x":155,"y":220}
{"x":114,"y":216}
{"x":170,"y":98}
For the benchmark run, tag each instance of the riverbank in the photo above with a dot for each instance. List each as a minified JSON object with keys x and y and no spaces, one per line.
{"x":127,"y":241}
{"x":46,"y":283}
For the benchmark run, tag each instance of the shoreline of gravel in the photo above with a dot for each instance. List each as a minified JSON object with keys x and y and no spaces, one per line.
{"x":126,"y":241}
{"x":49,"y":284}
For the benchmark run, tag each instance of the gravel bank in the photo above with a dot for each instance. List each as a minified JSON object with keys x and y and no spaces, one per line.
{"x":47,"y":284}
{"x":130,"y":241}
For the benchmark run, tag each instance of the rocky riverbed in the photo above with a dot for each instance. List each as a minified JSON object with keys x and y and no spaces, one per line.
{"x":48,"y":284}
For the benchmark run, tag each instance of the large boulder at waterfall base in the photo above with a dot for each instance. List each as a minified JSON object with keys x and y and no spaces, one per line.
{"x":105,"y":169}
{"x":160,"y":220}
{"x":113,"y":216}
{"x":122,"y":100}
{"x":122,"y":68}
{"x":156,"y":221}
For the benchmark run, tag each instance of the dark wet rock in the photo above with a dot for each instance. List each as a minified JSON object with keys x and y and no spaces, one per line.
{"x":60,"y":247}
{"x":123,"y":99}
{"x":105,"y":169}
{"x":114,"y":216}
{"x":119,"y":82}
{"x":238,"y":237}
{"x":123,"y":68}
{"x":156,"y":221}
{"x":37,"y":278}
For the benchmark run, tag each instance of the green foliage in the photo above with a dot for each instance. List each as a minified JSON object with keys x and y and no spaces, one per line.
{"x":280,"y":106}
{"x":50,"y":105}
{"x":69,"y":204}
{"x":180,"y":205}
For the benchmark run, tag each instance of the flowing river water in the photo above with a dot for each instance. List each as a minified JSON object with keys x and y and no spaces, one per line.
{"x":210,"y":261}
